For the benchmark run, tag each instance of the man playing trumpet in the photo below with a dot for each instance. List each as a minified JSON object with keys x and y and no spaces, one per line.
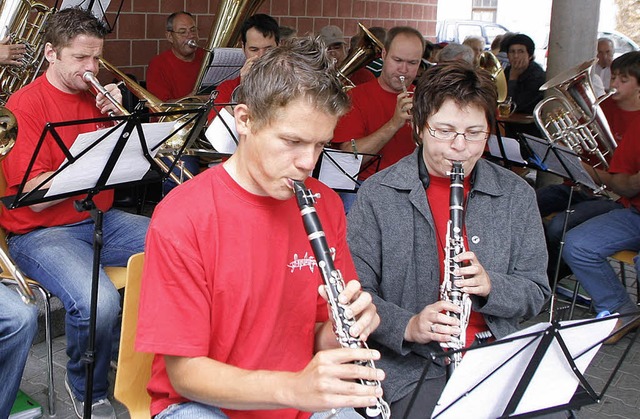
{"x":52,"y":242}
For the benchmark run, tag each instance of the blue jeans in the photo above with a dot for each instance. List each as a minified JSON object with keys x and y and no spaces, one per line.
{"x":587,"y":248}
{"x":194,"y":410}
{"x":554,"y":198}
{"x":18,"y":326}
{"x":61,"y":259}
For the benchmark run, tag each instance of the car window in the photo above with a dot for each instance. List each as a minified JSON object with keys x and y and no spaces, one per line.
{"x":465,"y":31}
{"x":492,"y":31}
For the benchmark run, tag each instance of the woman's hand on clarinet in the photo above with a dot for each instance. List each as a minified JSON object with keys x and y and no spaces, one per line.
{"x":432,"y":324}
{"x":476,"y":280}
{"x":359,"y":307}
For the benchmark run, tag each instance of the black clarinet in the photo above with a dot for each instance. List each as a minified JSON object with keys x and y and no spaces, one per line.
{"x":453,"y":247}
{"x":334,"y":284}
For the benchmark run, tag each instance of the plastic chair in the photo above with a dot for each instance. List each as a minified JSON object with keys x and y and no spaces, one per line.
{"x":134,"y":368}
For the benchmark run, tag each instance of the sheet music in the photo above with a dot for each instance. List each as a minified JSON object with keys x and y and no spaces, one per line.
{"x":98,"y":9}
{"x":551,"y":160}
{"x":553,"y":383}
{"x":84,"y":173}
{"x":224,"y":138}
{"x":225,"y":64}
{"x":511,"y":149}
{"x":331,"y":173}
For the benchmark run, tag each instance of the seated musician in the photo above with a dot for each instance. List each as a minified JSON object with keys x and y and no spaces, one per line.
{"x":397,"y":232}
{"x":620,"y":110}
{"x":236,"y":271}
{"x":378,"y":119}
{"x":589,"y":245}
{"x":258,"y":34}
{"x":51,"y":241}
{"x":18,"y":321}
{"x":172,"y":75}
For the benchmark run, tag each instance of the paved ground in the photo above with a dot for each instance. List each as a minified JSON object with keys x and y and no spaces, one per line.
{"x":622,"y":400}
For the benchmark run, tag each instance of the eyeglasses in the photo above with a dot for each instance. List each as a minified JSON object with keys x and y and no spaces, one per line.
{"x":443,"y":134}
{"x":184,"y":32}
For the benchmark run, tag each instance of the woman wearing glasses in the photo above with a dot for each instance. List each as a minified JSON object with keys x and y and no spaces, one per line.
{"x":397,"y":232}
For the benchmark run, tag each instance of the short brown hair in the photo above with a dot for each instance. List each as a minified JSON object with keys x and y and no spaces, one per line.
{"x":63,"y":26}
{"x":458,"y":81}
{"x":404,"y":30}
{"x":299,"y":69}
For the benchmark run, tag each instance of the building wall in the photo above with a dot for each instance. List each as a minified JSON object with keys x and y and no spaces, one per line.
{"x":139,"y":32}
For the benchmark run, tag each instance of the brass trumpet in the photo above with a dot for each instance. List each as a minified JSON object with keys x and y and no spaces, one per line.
{"x":8,"y":134}
{"x":91,"y":79}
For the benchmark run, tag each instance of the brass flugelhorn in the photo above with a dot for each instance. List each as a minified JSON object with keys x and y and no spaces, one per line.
{"x":91,"y":79}
{"x":8,"y":135}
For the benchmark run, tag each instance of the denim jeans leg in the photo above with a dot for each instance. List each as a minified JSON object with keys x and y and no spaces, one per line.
{"x":587,"y":248}
{"x":61,"y":258}
{"x":191,"y":410}
{"x":18,"y":326}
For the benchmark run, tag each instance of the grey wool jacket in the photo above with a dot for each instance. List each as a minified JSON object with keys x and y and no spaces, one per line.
{"x":391,"y":235}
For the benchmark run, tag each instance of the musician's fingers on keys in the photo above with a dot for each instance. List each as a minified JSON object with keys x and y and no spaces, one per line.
{"x":360,"y":307}
{"x":476,"y":280}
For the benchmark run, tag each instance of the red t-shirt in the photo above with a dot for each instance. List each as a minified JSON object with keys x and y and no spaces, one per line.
{"x":170,"y":78}
{"x":372,"y":107}
{"x":618,"y":119}
{"x":438,"y":197}
{"x":626,"y":158}
{"x":231,"y":276}
{"x":361,"y":76}
{"x":225,"y":90}
{"x":34,"y":106}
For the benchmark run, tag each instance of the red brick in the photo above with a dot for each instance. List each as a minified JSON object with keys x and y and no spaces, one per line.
{"x":305,"y":26}
{"x":319,"y":23}
{"x":370,"y":9}
{"x":197,"y":6}
{"x":384,"y":10}
{"x":344,"y":8}
{"x":170,"y":6}
{"x":357,"y":9}
{"x":297,"y":8}
{"x":314,"y":8}
{"x":280,"y":7}
{"x":329,"y":8}
{"x":137,"y":71}
{"x":204,"y":26}
{"x":156,"y":26}
{"x":132,"y":26}
{"x":143,"y":51}
{"x":142,"y":5}
{"x":117,"y":53}
{"x":288,"y":21}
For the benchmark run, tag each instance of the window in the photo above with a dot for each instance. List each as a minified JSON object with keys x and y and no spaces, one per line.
{"x":484,"y":10}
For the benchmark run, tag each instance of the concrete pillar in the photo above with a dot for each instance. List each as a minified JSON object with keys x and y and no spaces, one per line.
{"x":572,"y":40}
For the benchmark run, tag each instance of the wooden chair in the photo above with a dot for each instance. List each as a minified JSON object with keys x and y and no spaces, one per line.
{"x":134,"y":368}
{"x":116,"y":274}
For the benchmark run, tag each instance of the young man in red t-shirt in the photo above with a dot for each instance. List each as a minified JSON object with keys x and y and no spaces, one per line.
{"x":229,"y":302}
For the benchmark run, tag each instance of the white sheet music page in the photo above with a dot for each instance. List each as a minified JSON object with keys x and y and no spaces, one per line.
{"x":552,"y":384}
{"x":222,"y":133}
{"x":225,"y":64}
{"x":331,"y":169}
{"x":131,"y":165}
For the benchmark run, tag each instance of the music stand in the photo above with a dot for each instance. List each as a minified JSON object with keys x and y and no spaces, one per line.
{"x":536,"y":371}
{"x":340,"y":169}
{"x":102,"y":160}
{"x":560,"y":160}
{"x":225,"y":64}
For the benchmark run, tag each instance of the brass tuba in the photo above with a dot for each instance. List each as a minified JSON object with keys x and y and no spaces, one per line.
{"x":23,"y":22}
{"x":8,"y":135}
{"x":367,"y":49}
{"x":225,"y":31}
{"x":490,"y":63}
{"x":573,"y":118}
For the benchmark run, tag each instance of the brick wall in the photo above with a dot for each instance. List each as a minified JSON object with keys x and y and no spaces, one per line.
{"x":139,"y":33}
